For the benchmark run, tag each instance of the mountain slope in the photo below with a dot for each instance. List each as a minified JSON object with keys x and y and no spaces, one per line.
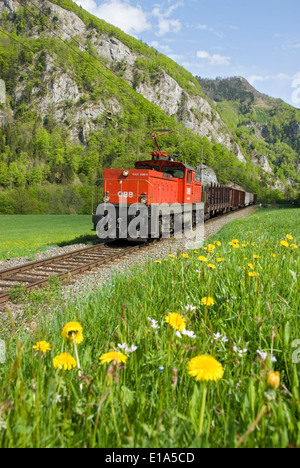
{"x":268,"y":129}
{"x":82,"y":95}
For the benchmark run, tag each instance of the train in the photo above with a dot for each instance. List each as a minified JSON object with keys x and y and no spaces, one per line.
{"x":161,"y":187}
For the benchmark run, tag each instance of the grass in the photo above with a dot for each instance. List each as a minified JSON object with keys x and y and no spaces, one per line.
{"x":152,"y":401}
{"x":28,"y":235}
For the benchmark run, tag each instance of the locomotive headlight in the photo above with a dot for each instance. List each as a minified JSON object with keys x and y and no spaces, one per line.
{"x":106,"y":199}
{"x":144,"y":200}
{"x":125,"y":173}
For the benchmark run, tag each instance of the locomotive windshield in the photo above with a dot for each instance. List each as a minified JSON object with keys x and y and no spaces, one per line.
{"x":148,"y":168}
{"x":174,"y":171}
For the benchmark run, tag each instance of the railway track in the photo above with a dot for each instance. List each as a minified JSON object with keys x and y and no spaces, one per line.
{"x":35,"y":274}
{"x":65,"y":266}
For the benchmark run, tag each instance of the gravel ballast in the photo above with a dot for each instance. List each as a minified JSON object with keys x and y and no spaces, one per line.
{"x":91,"y":281}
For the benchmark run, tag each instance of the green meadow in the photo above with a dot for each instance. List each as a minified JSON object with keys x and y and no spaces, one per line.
{"x":147,"y":397}
{"x":22,"y":236}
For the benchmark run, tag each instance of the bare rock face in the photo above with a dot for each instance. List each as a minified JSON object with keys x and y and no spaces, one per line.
{"x":8,"y":5}
{"x":68,"y":22}
{"x":6,"y":115}
{"x":261,"y":160}
{"x":208,"y":175}
{"x":194,"y":111}
{"x":113,"y":49}
{"x":279,"y":186}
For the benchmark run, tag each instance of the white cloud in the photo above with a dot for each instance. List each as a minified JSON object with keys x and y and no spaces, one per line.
{"x":258,"y":78}
{"x":205,"y":27}
{"x":132,"y":20}
{"x":213,"y":59}
{"x":291,"y":45}
{"x":175,"y":57}
{"x":87,"y":4}
{"x":279,"y":77}
{"x":165,"y":23}
{"x":283,"y":76}
{"x":165,"y":48}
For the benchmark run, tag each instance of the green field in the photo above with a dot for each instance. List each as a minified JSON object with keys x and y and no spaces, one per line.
{"x":22,"y":236}
{"x":251,"y":329}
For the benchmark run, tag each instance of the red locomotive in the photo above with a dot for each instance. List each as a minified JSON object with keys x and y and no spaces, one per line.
{"x":161,"y":182}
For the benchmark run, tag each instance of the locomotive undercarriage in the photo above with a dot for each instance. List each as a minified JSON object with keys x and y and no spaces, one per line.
{"x":148,"y":222}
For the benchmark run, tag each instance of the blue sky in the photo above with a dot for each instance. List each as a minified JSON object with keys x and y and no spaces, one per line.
{"x":257,"y":39}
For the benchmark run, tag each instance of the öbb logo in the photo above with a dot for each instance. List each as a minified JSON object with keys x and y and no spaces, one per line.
{"x":125,"y":194}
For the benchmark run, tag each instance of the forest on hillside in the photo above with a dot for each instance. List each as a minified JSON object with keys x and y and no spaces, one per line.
{"x":43,"y":169}
{"x":262,"y":124}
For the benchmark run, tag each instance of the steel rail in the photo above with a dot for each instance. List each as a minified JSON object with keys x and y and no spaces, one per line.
{"x":76,"y":262}
{"x":65,"y":266}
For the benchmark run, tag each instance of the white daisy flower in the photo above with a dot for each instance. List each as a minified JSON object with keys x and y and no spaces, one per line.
{"x":189,"y":333}
{"x":262,"y":355}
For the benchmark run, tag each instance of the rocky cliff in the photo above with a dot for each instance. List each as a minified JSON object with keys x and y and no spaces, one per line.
{"x":76,"y":82}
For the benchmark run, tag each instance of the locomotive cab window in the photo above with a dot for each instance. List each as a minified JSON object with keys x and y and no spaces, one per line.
{"x":189,"y":176}
{"x":148,"y":168}
{"x":177,"y":172}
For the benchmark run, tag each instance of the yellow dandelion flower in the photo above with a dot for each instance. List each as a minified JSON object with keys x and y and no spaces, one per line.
{"x":165,"y":259}
{"x":202,"y":259}
{"x":211,"y":247}
{"x":185,"y":255}
{"x":273,"y":380}
{"x":195,"y":251}
{"x":205,"y":368}
{"x":251,"y":266}
{"x":157,"y":261}
{"x":218,"y":243}
{"x":284,"y":243}
{"x":256,"y":256}
{"x":211,"y":266}
{"x":208,"y":301}
{"x":274,"y":255}
{"x":253,"y":273}
{"x":235,"y":241}
{"x":71,"y":331}
{"x":253,"y":244}
{"x":64,"y":361}
{"x":220,"y":259}
{"x":42,"y":346}
{"x":113,"y":356}
{"x":176,"y":321}
{"x":236,"y":245}
{"x":171,"y":256}
{"x":294,"y":246}
{"x":205,"y":248}
{"x":289,"y":237}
